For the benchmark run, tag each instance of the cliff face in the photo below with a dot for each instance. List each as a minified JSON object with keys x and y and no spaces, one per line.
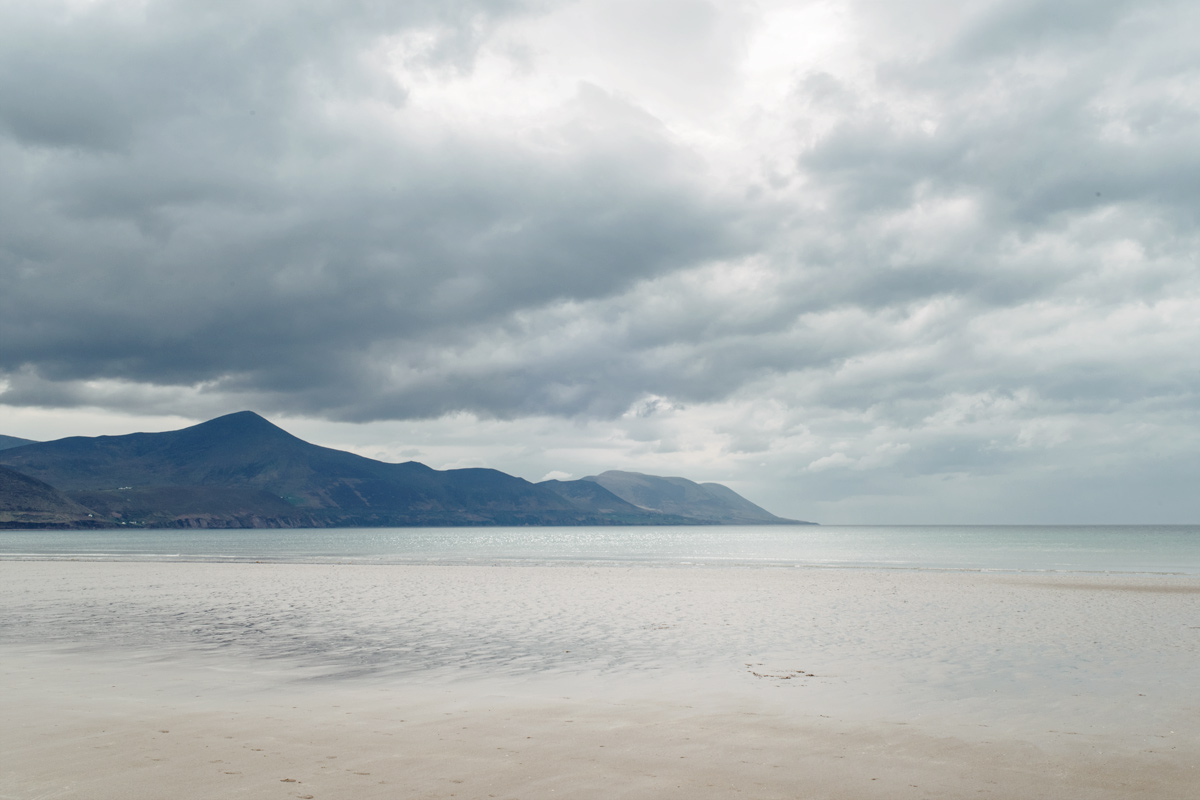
{"x":242,"y":471}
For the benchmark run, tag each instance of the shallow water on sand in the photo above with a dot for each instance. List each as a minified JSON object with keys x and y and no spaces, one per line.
{"x":1127,"y":549}
{"x":267,"y":680}
{"x":1096,"y":647}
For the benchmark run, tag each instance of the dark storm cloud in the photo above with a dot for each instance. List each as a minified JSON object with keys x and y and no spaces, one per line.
{"x":202,"y":195}
{"x":94,"y":76}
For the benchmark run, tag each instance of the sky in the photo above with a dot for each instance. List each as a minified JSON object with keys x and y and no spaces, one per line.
{"x":863,"y":262}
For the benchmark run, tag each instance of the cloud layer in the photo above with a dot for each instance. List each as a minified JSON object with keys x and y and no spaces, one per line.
{"x":884,"y":263}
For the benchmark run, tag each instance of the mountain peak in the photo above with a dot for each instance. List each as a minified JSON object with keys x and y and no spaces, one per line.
{"x":241,"y":429}
{"x":242,"y":418}
{"x":241,"y":422}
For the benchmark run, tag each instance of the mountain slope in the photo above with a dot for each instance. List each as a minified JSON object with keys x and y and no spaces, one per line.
{"x":592,"y":496}
{"x":244,"y":466}
{"x":711,"y":503}
{"x":12,"y":441}
{"x":26,"y":502}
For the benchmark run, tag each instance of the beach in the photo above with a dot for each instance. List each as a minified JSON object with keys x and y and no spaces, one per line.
{"x":197,"y":680}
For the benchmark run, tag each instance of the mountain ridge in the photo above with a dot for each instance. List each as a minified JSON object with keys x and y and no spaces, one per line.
{"x":713,"y":502}
{"x":241,"y":470}
{"x":13,"y":441}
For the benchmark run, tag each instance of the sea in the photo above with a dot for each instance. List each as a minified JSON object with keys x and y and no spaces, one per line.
{"x":1155,"y":549}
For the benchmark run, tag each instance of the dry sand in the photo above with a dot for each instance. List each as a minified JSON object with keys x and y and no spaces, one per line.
{"x":140,"y":680}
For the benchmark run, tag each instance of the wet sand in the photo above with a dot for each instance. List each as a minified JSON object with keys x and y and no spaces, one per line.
{"x":214,"y":680}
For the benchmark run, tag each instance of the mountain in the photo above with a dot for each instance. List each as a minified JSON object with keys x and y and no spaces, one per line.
{"x":595,"y":494}
{"x":12,"y":441}
{"x":26,"y":502}
{"x":242,"y":471}
{"x":709,"y":503}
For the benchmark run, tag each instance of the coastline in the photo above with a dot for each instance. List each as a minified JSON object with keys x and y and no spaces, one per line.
{"x":629,"y":681}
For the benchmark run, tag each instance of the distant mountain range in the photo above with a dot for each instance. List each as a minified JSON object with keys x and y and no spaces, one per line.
{"x":241,"y":471}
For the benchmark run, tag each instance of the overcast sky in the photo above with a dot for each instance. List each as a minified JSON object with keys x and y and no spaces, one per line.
{"x":864,"y":262}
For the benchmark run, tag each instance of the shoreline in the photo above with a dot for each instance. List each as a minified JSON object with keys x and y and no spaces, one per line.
{"x":676,"y":682}
{"x":649,"y":563}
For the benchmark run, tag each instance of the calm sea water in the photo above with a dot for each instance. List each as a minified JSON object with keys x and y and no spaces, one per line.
{"x":1152,"y":549}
